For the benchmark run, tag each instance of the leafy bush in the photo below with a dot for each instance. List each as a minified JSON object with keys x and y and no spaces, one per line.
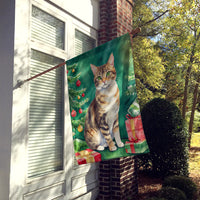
{"x":167,"y":138}
{"x":171,"y":193}
{"x":144,"y":163}
{"x":156,"y":198}
{"x":183,"y":183}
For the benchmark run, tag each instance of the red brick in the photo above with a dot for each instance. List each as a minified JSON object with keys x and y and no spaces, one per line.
{"x":118,"y":177}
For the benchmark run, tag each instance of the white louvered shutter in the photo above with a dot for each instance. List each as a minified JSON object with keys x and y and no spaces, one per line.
{"x":45,"y":138}
{"x":83,"y":43}
{"x":47,"y":29}
{"x":45,"y":142}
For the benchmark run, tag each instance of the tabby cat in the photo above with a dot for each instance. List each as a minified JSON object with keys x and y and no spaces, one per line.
{"x":101,"y":124}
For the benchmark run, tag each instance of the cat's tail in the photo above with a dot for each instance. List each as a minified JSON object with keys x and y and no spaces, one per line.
{"x":92,"y":138}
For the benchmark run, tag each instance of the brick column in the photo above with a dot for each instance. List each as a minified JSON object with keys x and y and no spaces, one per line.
{"x":117,"y":177}
{"x":115,"y":19}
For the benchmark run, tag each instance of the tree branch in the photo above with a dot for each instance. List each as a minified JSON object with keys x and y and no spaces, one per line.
{"x":151,"y":88}
{"x":150,"y":21}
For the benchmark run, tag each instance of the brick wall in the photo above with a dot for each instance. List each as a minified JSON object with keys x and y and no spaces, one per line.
{"x":117,"y":177}
{"x":115,"y":19}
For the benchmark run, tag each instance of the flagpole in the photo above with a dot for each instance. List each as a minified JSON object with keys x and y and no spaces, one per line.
{"x":135,"y":32}
{"x":20,"y":83}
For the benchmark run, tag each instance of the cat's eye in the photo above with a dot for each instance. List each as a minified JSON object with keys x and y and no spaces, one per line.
{"x":108,"y":73}
{"x":99,"y":78}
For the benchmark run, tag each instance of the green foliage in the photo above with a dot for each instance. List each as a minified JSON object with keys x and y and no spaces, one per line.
{"x":180,"y":44}
{"x":177,"y":36}
{"x":149,"y":68}
{"x":144,"y":163}
{"x":183,"y":183}
{"x":167,"y":138}
{"x":196,"y":125}
{"x":156,"y":198}
{"x":171,"y":193}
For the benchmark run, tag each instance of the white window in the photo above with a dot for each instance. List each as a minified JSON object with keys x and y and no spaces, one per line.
{"x":46,"y":117}
{"x":83,"y":42}
{"x":45,"y":138}
{"x":42,"y":144}
{"x":47,"y":29}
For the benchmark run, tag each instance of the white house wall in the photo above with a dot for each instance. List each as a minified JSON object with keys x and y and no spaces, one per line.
{"x":85,"y":10}
{"x":6,"y":88}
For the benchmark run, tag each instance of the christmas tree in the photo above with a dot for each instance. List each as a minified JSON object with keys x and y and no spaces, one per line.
{"x":76,"y":99}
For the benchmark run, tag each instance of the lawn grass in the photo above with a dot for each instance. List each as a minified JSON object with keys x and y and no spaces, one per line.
{"x":194,"y":162}
{"x":194,"y":159}
{"x":195,"y":140}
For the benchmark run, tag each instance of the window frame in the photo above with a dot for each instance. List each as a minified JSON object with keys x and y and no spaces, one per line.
{"x":60,"y":182}
{"x":55,"y":52}
{"x":68,"y":52}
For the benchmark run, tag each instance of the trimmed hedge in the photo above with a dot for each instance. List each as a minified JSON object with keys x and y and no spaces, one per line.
{"x":171,"y":193}
{"x":183,"y":183}
{"x":167,"y":138}
{"x":156,"y":198}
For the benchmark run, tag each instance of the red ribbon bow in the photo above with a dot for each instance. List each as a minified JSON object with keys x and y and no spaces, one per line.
{"x":129,"y":116}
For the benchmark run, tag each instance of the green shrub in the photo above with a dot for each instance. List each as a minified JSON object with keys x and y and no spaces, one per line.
{"x":167,"y":138}
{"x":183,"y":183}
{"x":156,"y":198}
{"x":144,"y":163}
{"x":170,"y":193}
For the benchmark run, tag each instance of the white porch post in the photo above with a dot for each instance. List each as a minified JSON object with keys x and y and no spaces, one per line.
{"x":7,"y":18}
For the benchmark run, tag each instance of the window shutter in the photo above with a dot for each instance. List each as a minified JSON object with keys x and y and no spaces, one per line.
{"x":45,"y":141}
{"x":47,"y":29}
{"x":45,"y":138}
{"x":83,"y":43}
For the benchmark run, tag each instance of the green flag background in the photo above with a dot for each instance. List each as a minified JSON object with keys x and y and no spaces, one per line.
{"x":82,"y":92}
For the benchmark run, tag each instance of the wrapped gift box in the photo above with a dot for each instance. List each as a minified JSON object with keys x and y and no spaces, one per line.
{"x":131,"y":129}
{"x":87,"y":156}
{"x":129,"y":147}
{"x":140,"y":135}
{"x":138,"y":122}
{"x":134,"y":129}
{"x":139,"y":147}
{"x":81,"y":161}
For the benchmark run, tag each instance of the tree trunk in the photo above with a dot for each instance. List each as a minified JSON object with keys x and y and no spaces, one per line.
{"x":188,"y":75}
{"x":185,"y":91}
{"x":193,"y":110}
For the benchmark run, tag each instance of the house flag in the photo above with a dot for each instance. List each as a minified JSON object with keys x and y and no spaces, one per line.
{"x":105,"y":114}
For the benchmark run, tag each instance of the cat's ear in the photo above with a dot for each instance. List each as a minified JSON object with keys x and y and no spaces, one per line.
{"x":111,"y":59}
{"x":93,"y":68}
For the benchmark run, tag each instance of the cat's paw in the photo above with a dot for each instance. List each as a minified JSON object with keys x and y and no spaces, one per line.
{"x":100,"y":148}
{"x":105,"y":145}
{"x":120,"y":144}
{"x":113,"y":148}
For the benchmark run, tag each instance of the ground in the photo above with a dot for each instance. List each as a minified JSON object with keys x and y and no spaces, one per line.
{"x":148,"y":186}
{"x":194,"y":163}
